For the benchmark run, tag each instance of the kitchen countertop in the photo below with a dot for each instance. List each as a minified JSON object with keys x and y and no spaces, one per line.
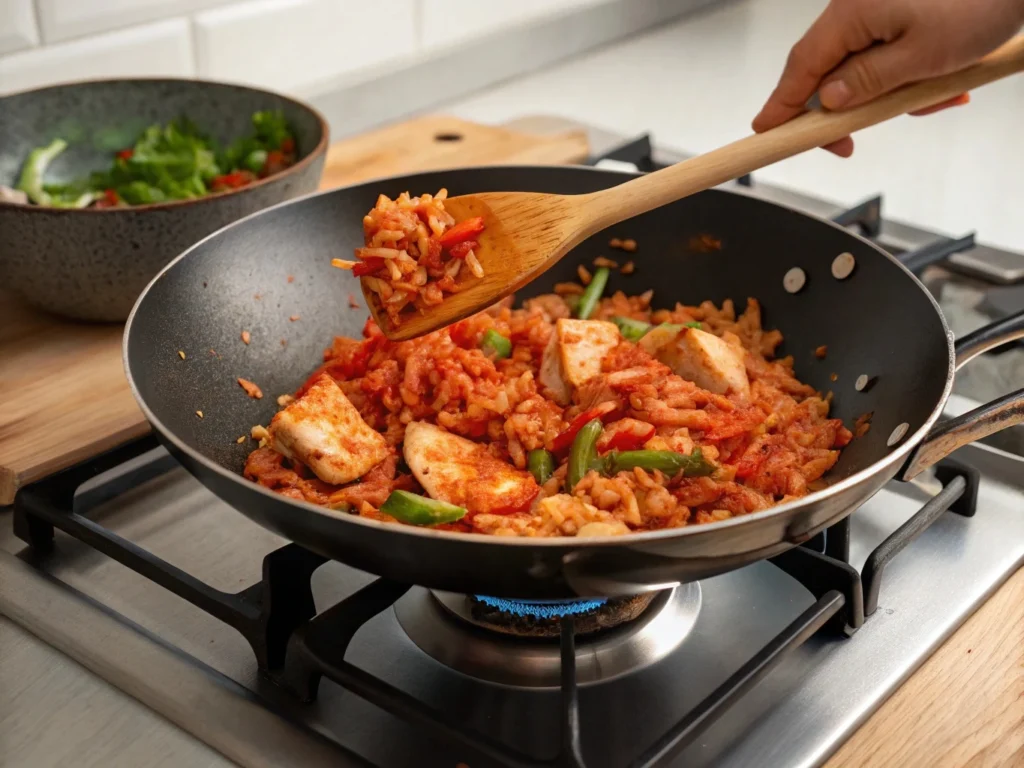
{"x":696,"y":84}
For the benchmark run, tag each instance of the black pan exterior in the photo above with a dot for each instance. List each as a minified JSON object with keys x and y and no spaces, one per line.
{"x":879,"y":322}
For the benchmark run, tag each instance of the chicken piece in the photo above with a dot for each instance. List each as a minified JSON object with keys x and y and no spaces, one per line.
{"x":707,"y":361}
{"x":453,"y":469}
{"x":324,"y":431}
{"x":551,"y":376}
{"x":582,"y":345}
{"x":658,"y":337}
{"x":574,"y":354}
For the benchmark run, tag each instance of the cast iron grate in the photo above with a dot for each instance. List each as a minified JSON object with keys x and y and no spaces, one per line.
{"x":295,"y":647}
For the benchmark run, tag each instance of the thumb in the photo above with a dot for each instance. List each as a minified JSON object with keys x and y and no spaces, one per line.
{"x":869,"y":74}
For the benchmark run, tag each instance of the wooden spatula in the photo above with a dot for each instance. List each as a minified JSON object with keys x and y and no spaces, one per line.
{"x":526,"y":233}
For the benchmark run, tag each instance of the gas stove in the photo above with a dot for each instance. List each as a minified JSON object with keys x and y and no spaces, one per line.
{"x":257,"y":652}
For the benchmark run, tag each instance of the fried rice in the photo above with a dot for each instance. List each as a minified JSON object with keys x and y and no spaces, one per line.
{"x":764,"y":441}
{"x":414,"y":253}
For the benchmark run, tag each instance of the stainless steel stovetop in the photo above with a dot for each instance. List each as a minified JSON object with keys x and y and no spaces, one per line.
{"x":141,"y":676}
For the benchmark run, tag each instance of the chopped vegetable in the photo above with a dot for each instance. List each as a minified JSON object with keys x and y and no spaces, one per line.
{"x":420,"y":510}
{"x":592,"y":294}
{"x":541,"y":464}
{"x":634,"y":330}
{"x":31,"y":182}
{"x":631,"y":438}
{"x":464,"y":230}
{"x":463,"y":249}
{"x":582,"y":453}
{"x":495,"y":345}
{"x":669,"y":462}
{"x":602,"y":411}
{"x":631,"y":329}
{"x":658,"y":336}
{"x":367,"y":266}
{"x":255,"y":160}
{"x":172,"y":162}
{"x":57,"y":195}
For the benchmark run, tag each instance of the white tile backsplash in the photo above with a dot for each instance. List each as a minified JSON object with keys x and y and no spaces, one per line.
{"x":64,"y":19}
{"x":368,"y":60}
{"x":17,"y":26}
{"x":446,"y":22}
{"x":157,"y":49}
{"x":290,"y":44}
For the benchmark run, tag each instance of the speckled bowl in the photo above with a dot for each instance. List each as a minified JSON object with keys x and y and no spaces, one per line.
{"x":91,"y":264}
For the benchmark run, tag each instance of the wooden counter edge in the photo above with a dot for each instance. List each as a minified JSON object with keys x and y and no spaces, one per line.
{"x":963,"y":707}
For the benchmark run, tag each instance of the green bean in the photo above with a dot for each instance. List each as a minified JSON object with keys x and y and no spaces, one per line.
{"x":541,"y":464}
{"x":583,"y":451}
{"x":632,"y":330}
{"x":420,"y":510}
{"x":495,"y":345}
{"x":592,"y":294}
{"x":693,"y":324}
{"x":669,"y":462}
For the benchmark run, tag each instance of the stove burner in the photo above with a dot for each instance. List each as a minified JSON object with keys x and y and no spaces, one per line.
{"x":542,"y":618}
{"x":473,"y":636}
{"x":541,"y":609}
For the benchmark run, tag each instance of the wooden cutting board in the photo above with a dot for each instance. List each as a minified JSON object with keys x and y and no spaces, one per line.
{"x":63,"y":393}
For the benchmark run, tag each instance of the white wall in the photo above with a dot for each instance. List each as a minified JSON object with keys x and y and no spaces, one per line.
{"x":298,"y":46}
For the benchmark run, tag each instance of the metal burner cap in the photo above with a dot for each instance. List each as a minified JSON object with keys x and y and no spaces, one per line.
{"x":432,"y":620}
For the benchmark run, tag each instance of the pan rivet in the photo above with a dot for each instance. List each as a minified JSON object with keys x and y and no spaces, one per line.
{"x":897,"y":434}
{"x":864,"y":382}
{"x":794,"y":280}
{"x":842,"y":266}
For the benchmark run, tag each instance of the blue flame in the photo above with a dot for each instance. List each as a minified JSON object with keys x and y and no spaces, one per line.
{"x":542,"y":609}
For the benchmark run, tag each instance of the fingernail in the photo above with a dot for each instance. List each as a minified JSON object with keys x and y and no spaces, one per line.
{"x":835,"y":95}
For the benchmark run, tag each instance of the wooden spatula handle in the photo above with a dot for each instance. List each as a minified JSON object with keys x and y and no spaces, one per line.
{"x":805,"y":132}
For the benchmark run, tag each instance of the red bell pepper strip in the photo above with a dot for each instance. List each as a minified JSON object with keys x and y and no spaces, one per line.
{"x":629,"y":440}
{"x":287,"y":145}
{"x":109,"y":199}
{"x":367,"y":267}
{"x":461,"y":250}
{"x":232,"y":180}
{"x":602,"y":411}
{"x":126,"y":154}
{"x":464,"y":230}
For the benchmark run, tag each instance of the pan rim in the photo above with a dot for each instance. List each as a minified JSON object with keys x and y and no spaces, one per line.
{"x":896,"y":457}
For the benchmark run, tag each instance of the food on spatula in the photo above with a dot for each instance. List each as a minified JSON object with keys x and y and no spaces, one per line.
{"x":414,"y":253}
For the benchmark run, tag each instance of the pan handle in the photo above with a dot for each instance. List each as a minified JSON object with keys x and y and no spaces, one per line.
{"x":983,"y":421}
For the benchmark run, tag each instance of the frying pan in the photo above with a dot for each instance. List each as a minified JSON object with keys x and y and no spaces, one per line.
{"x":254,"y":275}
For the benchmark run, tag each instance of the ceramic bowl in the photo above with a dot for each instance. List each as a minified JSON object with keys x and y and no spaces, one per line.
{"x":91,"y":264}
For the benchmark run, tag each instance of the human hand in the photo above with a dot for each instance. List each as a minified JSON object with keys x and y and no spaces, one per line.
{"x":858,"y":50}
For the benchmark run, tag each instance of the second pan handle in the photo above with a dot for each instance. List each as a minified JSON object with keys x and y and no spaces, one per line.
{"x":985,"y":420}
